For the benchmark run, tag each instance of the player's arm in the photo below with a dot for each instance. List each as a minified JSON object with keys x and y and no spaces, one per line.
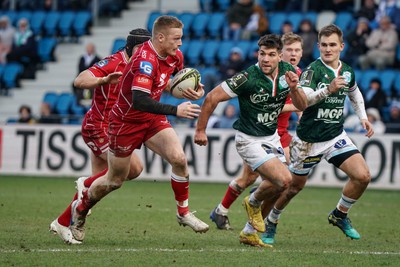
{"x":289,"y":108}
{"x":213,"y":98}
{"x":357,"y":102}
{"x":313,"y":97}
{"x":297,"y":94}
{"x":86,"y":79}
{"x":143,"y":102}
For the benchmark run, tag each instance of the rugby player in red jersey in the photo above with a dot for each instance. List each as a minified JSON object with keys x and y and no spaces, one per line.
{"x":139,"y":118}
{"x":291,"y":52}
{"x":103,"y":78}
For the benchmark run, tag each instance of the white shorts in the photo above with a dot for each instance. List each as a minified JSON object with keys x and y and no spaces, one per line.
{"x":255,"y":150}
{"x":305,"y":156}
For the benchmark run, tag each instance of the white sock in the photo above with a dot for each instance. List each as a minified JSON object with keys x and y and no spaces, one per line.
{"x":248,"y":229}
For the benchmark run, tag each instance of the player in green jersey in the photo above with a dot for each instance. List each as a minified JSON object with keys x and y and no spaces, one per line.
{"x":320,"y":133}
{"x":262,"y":90}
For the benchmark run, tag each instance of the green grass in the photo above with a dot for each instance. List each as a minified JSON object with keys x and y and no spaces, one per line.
{"x":136,"y":226}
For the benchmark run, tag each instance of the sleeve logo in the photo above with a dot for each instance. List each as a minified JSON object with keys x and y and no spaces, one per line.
{"x":146,"y":67}
{"x":306,"y":77}
{"x":102,"y":63}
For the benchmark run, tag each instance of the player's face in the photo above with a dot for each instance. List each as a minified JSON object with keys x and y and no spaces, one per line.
{"x":268,"y":59}
{"x":330,"y":48}
{"x":171,"y":41}
{"x":292,"y":53}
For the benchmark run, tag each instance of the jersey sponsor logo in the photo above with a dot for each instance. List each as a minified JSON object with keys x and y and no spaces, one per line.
{"x":329,"y":115}
{"x":340,"y":143}
{"x":146,"y":67}
{"x":267,"y":119}
{"x":172,"y":64}
{"x":102,"y":63}
{"x":236,"y":81}
{"x":309,"y":162}
{"x":306,"y":77}
{"x":347,"y":76}
{"x":142,"y":80}
{"x":257,"y":98}
{"x":144,"y":54}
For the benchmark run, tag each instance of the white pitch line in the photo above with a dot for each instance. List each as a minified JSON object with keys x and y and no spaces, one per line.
{"x":52,"y":250}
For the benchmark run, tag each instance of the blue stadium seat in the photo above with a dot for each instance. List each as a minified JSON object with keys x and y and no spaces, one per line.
{"x":51,"y":23}
{"x":253,"y":47}
{"x":152,"y":17}
{"x":367,"y":76}
{"x":245,"y":47}
{"x":12,"y":74}
{"x":46,"y":49}
{"x":209,"y":52}
{"x":223,"y":5}
{"x":343,"y":20}
{"x":199,"y":24}
{"x":187,"y":19}
{"x":312,"y":16}
{"x":216,"y":24}
{"x":295,"y":18}
{"x":64,"y":103}
{"x":398,"y":53}
{"x":275,"y":21}
{"x":184,"y":47}
{"x":23,"y":14}
{"x":65,"y":23}
{"x":315,"y":51}
{"x":397,"y":84}
{"x":195,"y":48}
{"x":224,"y":50}
{"x":82,"y":22}
{"x":77,"y":109}
{"x":12,"y":16}
{"x":358,"y":73}
{"x":117,"y":44}
{"x":37,"y":21}
{"x":387,"y":77}
{"x":51,"y":98}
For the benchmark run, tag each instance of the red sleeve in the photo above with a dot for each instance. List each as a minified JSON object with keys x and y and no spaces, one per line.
{"x":105,"y":66}
{"x":144,"y":69}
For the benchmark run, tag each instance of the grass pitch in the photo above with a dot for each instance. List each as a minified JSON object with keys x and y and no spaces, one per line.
{"x":136,"y":226}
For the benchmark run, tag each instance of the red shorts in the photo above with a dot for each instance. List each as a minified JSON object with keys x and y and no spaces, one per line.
{"x":126,"y":137}
{"x":286,"y":138}
{"x":95,"y":136}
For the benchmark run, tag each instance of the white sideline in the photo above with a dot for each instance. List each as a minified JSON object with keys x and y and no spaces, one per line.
{"x":52,"y":250}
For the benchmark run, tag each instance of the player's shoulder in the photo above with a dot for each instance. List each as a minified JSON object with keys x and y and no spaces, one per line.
{"x":285,"y":66}
{"x":113,"y":59}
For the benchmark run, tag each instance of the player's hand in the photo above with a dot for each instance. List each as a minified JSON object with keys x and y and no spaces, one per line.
{"x":113,"y":78}
{"x":368,"y":127}
{"x":192,"y":94}
{"x":292,"y":79}
{"x":200,"y":138}
{"x":337,"y":84}
{"x":188,"y":110}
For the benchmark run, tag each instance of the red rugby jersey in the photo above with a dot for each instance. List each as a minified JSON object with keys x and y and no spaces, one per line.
{"x":104,"y":96}
{"x":147,"y":72}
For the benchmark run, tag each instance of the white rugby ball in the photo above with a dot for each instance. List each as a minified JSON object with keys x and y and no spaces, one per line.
{"x":184,"y":79}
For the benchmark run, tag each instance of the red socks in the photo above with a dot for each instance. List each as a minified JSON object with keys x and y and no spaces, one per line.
{"x":180,"y":186}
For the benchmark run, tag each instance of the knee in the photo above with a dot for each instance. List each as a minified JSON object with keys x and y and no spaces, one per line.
{"x":294,"y":189}
{"x":363,"y":178}
{"x":135,"y":171}
{"x":285,"y":181}
{"x":178,"y":160}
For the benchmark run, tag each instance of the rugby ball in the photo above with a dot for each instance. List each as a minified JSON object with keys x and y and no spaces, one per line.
{"x":184,"y":79}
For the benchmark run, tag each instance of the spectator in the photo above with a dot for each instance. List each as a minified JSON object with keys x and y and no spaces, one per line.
{"x":367,"y":10}
{"x":25,"y":115}
{"x":234,"y":64}
{"x":238,"y":15}
{"x":393,"y":125}
{"x":309,"y":35}
{"x":352,"y":123}
{"x":258,"y":24}
{"x":382,"y":44}
{"x":375,"y":97}
{"x":388,"y":8}
{"x":229,"y":116}
{"x":7,"y":32}
{"x":286,"y":27}
{"x":356,"y":40}
{"x":46,"y":115}
{"x":24,"y":48}
{"x":88,"y":59}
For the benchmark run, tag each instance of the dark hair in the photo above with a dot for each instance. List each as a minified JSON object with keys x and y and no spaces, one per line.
{"x":271,"y":41}
{"x":28,"y":108}
{"x":329,"y":30}
{"x":136,"y":37}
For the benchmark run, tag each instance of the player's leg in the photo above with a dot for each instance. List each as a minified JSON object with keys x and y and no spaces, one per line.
{"x":167,"y":144}
{"x":220,"y":214}
{"x":357,"y":170}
